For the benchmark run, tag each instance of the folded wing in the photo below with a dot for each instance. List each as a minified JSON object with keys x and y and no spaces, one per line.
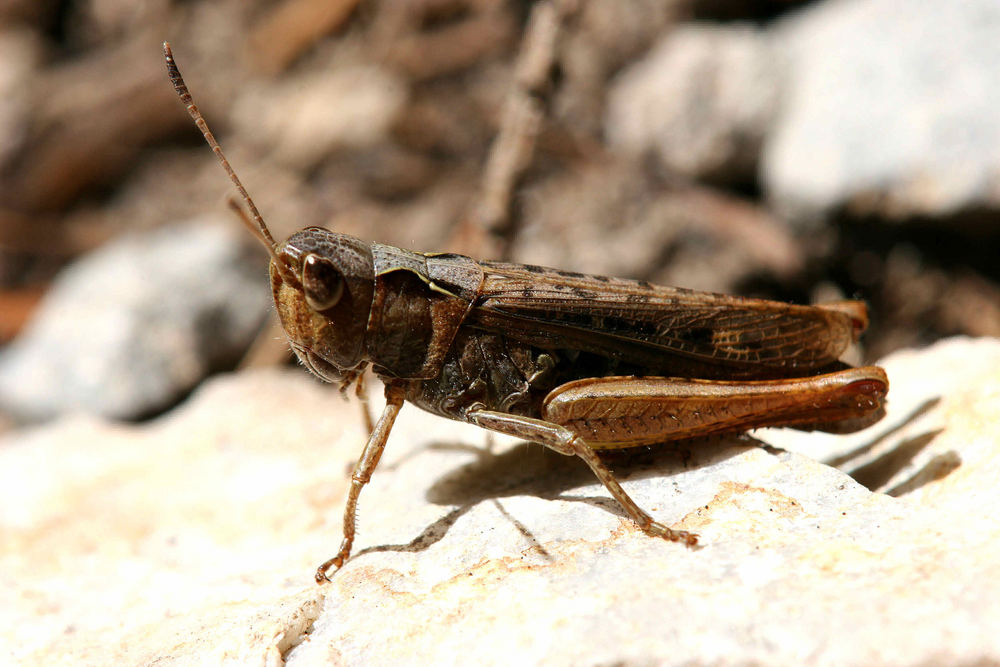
{"x":698,"y":334}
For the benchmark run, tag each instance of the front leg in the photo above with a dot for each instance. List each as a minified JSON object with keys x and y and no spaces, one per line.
{"x":363,"y":470}
{"x":566,"y":442}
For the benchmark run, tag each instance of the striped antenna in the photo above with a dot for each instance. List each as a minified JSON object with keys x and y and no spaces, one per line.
{"x":257,"y":226}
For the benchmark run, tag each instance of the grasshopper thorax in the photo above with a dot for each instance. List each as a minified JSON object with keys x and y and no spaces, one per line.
{"x":323,"y":283}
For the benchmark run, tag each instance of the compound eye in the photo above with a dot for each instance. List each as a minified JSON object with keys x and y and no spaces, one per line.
{"x":322,"y":283}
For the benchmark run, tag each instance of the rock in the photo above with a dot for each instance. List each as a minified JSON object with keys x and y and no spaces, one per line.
{"x":701,"y":101}
{"x":130,"y":328}
{"x":889,"y":111}
{"x":194,"y":538}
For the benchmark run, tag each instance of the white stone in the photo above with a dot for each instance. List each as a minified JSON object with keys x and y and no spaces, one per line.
{"x":193,"y":539}
{"x":887,"y":105}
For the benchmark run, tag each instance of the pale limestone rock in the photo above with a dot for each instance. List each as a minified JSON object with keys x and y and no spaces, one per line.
{"x":888,"y":108}
{"x":193,"y":539}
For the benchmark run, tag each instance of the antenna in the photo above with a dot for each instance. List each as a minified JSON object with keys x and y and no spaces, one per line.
{"x":260,"y":231}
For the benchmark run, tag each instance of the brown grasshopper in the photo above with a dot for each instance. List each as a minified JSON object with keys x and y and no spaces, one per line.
{"x":575,"y":362}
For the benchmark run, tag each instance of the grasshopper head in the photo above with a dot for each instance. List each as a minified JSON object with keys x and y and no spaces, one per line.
{"x":322,"y":284}
{"x":322,"y":281}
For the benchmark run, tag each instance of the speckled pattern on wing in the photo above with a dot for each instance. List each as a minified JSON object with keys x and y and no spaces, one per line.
{"x":539,"y":304}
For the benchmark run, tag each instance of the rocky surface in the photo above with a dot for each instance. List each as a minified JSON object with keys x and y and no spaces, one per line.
{"x":846,"y":103}
{"x":889,"y":112}
{"x":193,"y":538}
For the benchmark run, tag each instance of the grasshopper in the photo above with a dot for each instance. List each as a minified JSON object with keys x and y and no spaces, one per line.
{"x":577,"y":363}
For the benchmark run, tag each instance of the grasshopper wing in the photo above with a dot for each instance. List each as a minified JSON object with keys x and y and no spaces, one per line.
{"x":680,"y":331}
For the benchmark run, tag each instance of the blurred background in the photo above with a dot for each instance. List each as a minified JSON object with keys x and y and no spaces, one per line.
{"x":803,"y":151}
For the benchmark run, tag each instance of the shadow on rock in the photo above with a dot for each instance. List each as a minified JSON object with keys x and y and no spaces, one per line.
{"x":534,"y":470}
